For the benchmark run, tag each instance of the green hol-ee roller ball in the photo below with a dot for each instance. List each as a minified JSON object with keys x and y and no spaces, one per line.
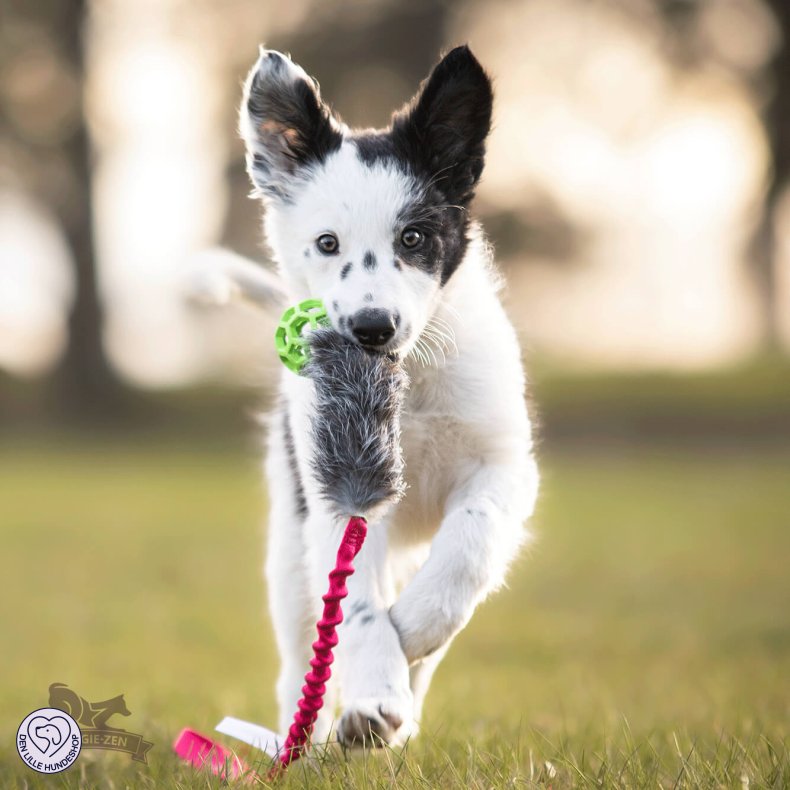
{"x":289,"y":339}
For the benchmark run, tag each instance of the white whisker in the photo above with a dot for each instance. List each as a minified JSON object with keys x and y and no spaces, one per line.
{"x":444,"y":335}
{"x":418,"y":353}
{"x":444,"y":329}
{"x":433,"y":339}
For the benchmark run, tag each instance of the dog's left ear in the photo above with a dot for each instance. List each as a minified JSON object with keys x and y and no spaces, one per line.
{"x":446,"y":124}
{"x":285,"y":124}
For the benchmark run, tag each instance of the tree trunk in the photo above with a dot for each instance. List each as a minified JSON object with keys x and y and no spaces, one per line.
{"x":86,"y":387}
{"x":777,"y":125}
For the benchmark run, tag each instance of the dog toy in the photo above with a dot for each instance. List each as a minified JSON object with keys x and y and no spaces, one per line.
{"x":289,"y":338}
{"x":359,"y":471}
{"x":204,"y":753}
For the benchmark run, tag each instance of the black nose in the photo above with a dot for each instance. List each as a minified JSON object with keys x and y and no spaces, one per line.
{"x":372,"y":327}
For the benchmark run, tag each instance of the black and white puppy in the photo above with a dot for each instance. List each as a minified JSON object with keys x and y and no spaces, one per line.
{"x":377,"y":225}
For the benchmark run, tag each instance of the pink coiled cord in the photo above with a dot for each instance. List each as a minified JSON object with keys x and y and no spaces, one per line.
{"x":368,"y":390}
{"x":321,"y":664}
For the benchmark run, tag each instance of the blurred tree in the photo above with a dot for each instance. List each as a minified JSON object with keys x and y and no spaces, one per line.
{"x":777,"y":120}
{"x":395,"y":44}
{"x":86,"y":384}
{"x":46,"y":138}
{"x":689,"y":47}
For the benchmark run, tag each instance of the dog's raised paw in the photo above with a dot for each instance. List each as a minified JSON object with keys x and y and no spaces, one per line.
{"x":370,"y":723}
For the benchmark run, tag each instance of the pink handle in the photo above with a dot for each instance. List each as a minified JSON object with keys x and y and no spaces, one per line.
{"x":316,"y":679}
{"x":203,"y":752}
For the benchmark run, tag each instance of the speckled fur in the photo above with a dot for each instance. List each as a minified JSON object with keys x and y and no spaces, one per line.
{"x":356,"y":425}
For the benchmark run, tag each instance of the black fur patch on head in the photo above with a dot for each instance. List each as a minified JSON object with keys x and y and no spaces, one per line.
{"x":445,"y":128}
{"x":291,"y":126}
{"x":356,"y":426}
{"x":345,"y":270}
{"x":375,"y":147}
{"x":439,"y":140}
{"x":445,"y":229}
{"x":369,"y":261}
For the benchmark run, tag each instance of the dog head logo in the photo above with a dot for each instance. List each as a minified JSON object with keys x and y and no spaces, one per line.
{"x":49,"y":735}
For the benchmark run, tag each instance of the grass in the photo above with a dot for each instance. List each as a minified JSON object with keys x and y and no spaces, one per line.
{"x":644,"y":640}
{"x":749,"y":401}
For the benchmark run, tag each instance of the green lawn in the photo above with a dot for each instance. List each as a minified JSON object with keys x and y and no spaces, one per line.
{"x":644,"y":639}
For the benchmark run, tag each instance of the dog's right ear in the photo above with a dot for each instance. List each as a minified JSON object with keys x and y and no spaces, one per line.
{"x":285,"y":124}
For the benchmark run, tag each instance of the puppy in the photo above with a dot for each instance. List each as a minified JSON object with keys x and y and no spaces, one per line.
{"x":377,"y":224}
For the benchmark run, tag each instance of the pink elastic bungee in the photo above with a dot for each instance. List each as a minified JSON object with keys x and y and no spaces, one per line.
{"x":316,"y":679}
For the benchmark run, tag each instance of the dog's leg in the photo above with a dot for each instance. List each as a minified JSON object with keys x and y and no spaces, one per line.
{"x":480,"y":533}
{"x":293,"y":607}
{"x":216,"y":277}
{"x":377,"y":703}
{"x":420,"y":676}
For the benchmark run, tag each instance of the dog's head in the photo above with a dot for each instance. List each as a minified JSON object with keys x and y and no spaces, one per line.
{"x":374,"y":223}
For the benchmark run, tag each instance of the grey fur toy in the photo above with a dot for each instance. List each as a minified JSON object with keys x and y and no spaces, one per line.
{"x":356,"y":425}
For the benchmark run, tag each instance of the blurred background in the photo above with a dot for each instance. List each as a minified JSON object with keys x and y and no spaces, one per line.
{"x":634,"y":187}
{"x":637,"y":192}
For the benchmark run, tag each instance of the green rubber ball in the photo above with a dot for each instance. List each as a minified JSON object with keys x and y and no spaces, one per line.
{"x":289,"y":340}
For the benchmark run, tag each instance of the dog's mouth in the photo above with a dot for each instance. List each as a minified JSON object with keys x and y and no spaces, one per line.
{"x":393,"y":347}
{"x":376,"y":330}
{"x":389,"y":349}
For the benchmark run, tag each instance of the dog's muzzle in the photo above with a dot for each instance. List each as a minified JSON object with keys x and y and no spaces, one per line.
{"x":372,"y":328}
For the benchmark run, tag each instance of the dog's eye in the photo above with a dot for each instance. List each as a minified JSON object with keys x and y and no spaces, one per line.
{"x":328,"y":244}
{"x":411,"y":238}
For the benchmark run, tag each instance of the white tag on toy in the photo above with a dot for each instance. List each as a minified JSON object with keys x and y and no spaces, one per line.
{"x":253,"y":734}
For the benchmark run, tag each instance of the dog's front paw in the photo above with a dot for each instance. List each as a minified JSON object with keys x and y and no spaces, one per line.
{"x":425,"y":626}
{"x":374,"y":722}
